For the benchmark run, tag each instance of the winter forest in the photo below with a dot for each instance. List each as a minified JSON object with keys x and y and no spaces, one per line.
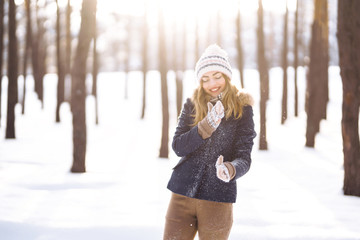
{"x":90,"y":94}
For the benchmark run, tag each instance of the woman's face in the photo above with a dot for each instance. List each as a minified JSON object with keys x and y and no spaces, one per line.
{"x":213,"y":83}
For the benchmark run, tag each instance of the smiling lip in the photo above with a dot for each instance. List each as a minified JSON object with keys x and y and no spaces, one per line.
{"x":214,"y":89}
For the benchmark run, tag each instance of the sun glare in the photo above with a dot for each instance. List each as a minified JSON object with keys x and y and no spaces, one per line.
{"x":279,"y":6}
{"x":185,"y":9}
{"x":126,"y":7}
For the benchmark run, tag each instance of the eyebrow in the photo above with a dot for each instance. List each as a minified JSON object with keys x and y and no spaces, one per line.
{"x":212,"y":75}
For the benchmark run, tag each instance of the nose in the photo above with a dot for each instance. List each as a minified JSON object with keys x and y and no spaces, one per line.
{"x":212,"y":81}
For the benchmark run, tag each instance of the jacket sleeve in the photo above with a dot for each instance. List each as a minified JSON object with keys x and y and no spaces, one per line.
{"x":244,"y":143}
{"x":186,"y":138}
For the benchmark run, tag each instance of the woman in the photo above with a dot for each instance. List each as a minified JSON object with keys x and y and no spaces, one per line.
{"x":214,"y":139}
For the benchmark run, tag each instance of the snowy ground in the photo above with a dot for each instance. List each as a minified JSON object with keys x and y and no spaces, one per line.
{"x":291,"y":192}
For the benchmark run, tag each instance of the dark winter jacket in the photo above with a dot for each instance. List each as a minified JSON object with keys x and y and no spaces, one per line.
{"x":195,"y":174}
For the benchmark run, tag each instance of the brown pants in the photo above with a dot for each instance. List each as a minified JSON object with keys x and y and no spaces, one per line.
{"x":186,"y":216}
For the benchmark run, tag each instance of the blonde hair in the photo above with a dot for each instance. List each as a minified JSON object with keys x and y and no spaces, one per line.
{"x":231,"y":101}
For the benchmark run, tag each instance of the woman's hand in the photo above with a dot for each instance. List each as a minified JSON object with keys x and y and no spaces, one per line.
{"x":222,"y":172}
{"x":215,"y":114}
{"x":212,"y":120}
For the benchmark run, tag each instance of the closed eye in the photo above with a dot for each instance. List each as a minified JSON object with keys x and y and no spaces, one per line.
{"x":218,"y":76}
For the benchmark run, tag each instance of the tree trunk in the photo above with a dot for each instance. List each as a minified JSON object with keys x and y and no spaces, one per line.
{"x":95,"y":74}
{"x":177,"y":62}
{"x":1,"y":49}
{"x":296,"y":100}
{"x":42,"y":56}
{"x":264,"y":75}
{"x":175,"y":59}
{"x":179,"y":91}
{"x":164,"y":148}
{"x":60,"y":68}
{"x":317,"y":84}
{"x":12,"y":72}
{"x":68,"y":53}
{"x":35,"y":51}
{"x":39,"y":49}
{"x":303,"y":44}
{"x":239,"y":48}
{"x":144,"y":63}
{"x":284,"y":67}
{"x":271,"y":47}
{"x":348,"y":40}
{"x":27,"y":50}
{"x":179,"y":82}
{"x":78,"y":96}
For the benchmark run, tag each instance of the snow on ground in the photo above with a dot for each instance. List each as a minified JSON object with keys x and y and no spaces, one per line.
{"x":290,"y":192}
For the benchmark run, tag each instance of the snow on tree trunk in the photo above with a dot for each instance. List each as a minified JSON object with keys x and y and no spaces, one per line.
{"x":349,"y":40}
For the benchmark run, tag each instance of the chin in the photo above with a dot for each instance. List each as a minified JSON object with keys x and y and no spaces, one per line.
{"x":214,"y":94}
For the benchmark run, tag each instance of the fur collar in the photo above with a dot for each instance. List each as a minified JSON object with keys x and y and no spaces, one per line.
{"x":245,"y":98}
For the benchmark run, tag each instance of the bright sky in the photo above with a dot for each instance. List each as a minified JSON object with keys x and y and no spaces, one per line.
{"x":193,"y":7}
{"x":181,"y":8}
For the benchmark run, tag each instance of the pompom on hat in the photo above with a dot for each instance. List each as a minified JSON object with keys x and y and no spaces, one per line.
{"x":214,"y":58}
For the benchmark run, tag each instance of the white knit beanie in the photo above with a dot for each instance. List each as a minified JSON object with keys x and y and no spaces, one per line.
{"x":213,"y":59}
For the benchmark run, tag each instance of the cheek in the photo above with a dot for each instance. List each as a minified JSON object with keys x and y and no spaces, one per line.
{"x":205,"y":86}
{"x":223,"y":84}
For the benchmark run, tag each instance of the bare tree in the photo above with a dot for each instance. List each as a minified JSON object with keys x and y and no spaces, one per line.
{"x":27,"y":50}
{"x":271,"y":48}
{"x":60,"y":67}
{"x":264,"y":77}
{"x":239,"y":48}
{"x":303,"y":44}
{"x":317,"y":82}
{"x":197,"y":39}
{"x":284,"y":67}
{"x":181,"y":74}
{"x":349,"y":40}
{"x":1,"y":49}
{"x":95,"y":73}
{"x":144,"y":62}
{"x":38,"y":51}
{"x":12,"y":72}
{"x":296,"y":53}
{"x":68,"y":49}
{"x":164,"y":148}
{"x":178,"y":54}
{"x":78,"y":88}
{"x":175,"y":58}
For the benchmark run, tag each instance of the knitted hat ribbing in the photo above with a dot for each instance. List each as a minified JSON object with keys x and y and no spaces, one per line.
{"x":213,"y":59}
